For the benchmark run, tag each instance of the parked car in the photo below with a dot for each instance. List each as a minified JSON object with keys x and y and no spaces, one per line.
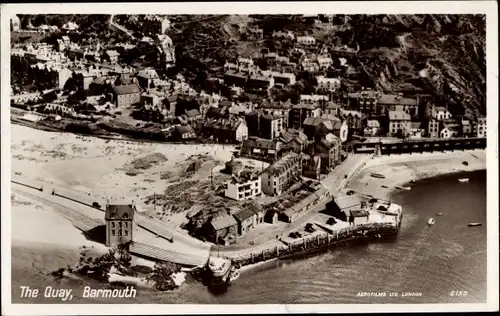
{"x":310,"y":228}
{"x":331,"y":221}
{"x":96,"y":205}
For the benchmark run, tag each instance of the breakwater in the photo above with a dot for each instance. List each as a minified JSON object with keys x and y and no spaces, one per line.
{"x":320,"y":241}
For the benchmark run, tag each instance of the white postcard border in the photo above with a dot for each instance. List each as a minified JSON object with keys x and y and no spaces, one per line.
{"x":397,"y":7}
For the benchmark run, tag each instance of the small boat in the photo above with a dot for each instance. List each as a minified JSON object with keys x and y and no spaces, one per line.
{"x":439,"y":213}
{"x":378,"y":175}
{"x":385,"y":187}
{"x":234,"y":276}
{"x":463,"y":180}
{"x":431,"y":221}
{"x":465,"y":163}
{"x":403,"y":188}
{"x":474,"y":224}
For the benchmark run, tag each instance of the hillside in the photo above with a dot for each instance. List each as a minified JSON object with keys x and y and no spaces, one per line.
{"x":439,"y":55}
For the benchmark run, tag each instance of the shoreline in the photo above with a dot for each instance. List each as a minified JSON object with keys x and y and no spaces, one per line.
{"x":401,"y":170}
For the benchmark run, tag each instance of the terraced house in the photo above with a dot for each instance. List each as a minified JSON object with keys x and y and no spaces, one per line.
{"x":278,"y":177}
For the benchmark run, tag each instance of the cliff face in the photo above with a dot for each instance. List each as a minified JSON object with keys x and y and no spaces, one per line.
{"x":441,"y":55}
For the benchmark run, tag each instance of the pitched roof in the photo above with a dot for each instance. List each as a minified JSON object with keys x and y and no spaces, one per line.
{"x":184,"y":129}
{"x":148,"y":73}
{"x":222,"y":222}
{"x":396,"y":99}
{"x":243,"y":215}
{"x":351,"y":113}
{"x":347,"y":201}
{"x":247,"y":211}
{"x":193,"y":113}
{"x":254,"y":142}
{"x":281,"y":165}
{"x":112,"y":53}
{"x":290,"y":135}
{"x":415,"y":125}
{"x":119,"y":212}
{"x":127,"y":89}
{"x":399,"y":116}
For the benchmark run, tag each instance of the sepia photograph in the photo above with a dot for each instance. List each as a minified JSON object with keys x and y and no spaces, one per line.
{"x":249,"y":156}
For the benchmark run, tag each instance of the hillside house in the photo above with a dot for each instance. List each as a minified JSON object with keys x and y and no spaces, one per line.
{"x":466,"y":127}
{"x":260,"y":81}
{"x":441,"y":113}
{"x":264,"y":125}
{"x":450,"y":131}
{"x":289,"y":35}
{"x":283,"y":78}
{"x":372,"y":128}
{"x":306,"y":40}
{"x":112,"y":56}
{"x":481,"y":127}
{"x":433,"y":128}
{"x":324,"y":62}
{"x":119,"y":223}
{"x":319,"y":127}
{"x":393,"y":102}
{"x":148,"y":78}
{"x":399,"y":123}
{"x":353,"y":119}
{"x":236,"y":79}
{"x":126,"y":95}
{"x":328,"y":148}
{"x":294,"y":141}
{"x":328,"y":84}
{"x":343,"y":51}
{"x":260,"y":148}
{"x":302,"y":111}
{"x":181,"y":133}
{"x":314,"y":98}
{"x":225,"y":131}
{"x":280,"y":109}
{"x":365,"y":101}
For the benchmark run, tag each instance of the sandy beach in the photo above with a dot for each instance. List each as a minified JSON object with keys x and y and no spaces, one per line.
{"x":399,"y":170}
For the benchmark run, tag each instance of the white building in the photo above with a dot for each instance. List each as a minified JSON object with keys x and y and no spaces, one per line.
{"x":60,"y":109}
{"x":243,"y":187}
{"x":449,"y":131}
{"x":330,"y":84}
{"x":441,"y":113}
{"x":306,"y":40}
{"x":307,"y":98}
{"x":324,"y":62}
{"x":481,"y":127}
